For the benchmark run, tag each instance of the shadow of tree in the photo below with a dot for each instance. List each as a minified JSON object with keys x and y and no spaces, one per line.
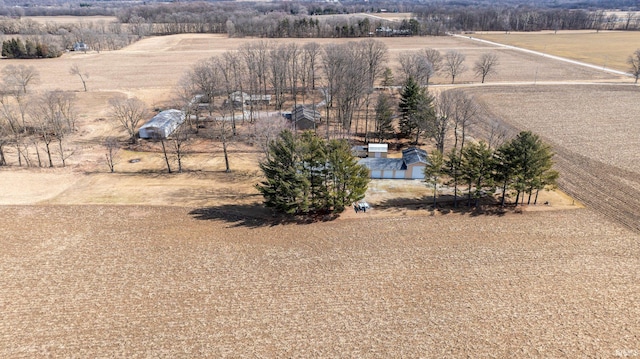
{"x":487,"y":206}
{"x":254,"y":216}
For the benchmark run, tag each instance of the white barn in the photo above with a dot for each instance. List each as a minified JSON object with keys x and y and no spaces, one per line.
{"x":162,"y":124}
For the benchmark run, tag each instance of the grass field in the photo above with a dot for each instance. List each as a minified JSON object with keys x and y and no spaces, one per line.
{"x":605,"y":48}
{"x":146,"y":264}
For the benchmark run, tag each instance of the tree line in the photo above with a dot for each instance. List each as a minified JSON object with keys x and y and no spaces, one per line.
{"x":524,"y":165}
{"x":16,"y":49}
{"x":298,"y":20}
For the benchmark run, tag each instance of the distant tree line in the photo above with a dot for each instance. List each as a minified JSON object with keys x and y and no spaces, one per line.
{"x":16,"y":49}
{"x":298,"y":20}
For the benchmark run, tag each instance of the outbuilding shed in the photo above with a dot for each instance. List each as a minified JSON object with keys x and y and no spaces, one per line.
{"x":377,"y":150}
{"x":305,"y":118}
{"x":162,"y":125}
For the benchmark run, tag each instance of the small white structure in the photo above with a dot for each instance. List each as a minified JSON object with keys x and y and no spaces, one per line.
{"x":162,"y":124}
{"x":377,"y":150}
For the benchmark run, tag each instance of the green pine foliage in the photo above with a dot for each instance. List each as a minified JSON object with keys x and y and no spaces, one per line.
{"x":523,"y":165}
{"x":433,"y":171}
{"x":308,"y":175}
{"x":30,"y":49}
{"x":384,"y":118}
{"x":417,"y":114}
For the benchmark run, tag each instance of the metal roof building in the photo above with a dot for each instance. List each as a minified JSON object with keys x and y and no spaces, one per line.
{"x":410,"y":166}
{"x":162,"y":124}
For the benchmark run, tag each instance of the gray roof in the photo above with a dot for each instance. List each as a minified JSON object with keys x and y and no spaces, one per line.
{"x":165,"y":118}
{"x":409,"y":156}
{"x":302,"y":112}
{"x":383,"y":164}
{"x":414,"y":155}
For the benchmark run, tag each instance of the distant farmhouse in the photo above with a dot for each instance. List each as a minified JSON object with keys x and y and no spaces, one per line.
{"x":162,"y":125}
{"x":410,"y":166}
{"x":80,"y":46}
{"x":240,"y":99}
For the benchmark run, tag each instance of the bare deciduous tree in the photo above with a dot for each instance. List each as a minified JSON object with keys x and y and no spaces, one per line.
{"x":312,"y":51}
{"x":222,"y":131}
{"x":179,"y":140}
{"x":279,"y":58}
{"x":486,"y":65}
{"x":346,"y":75}
{"x":19,"y":77}
{"x":415,"y":65}
{"x":75,"y":70}
{"x":54,"y":117}
{"x":266,"y":129}
{"x":634,"y":65}
{"x":444,"y":115}
{"x":13,"y":128}
{"x":374,"y":56}
{"x":435,"y":59}
{"x":454,"y":64}
{"x":112,"y":147}
{"x":128,"y":112}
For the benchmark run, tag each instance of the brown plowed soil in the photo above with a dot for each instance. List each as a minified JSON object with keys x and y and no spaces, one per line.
{"x":139,"y":281}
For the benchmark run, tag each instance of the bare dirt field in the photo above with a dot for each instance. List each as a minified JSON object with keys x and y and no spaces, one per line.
{"x":594,"y":132}
{"x":144,"y":264}
{"x":140,"y":281}
{"x":604,"y":48}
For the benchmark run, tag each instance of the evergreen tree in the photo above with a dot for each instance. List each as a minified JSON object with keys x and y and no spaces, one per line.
{"x":433,"y":171}
{"x":387,"y":77}
{"x":347,"y":179}
{"x":310,"y":175}
{"x":416,"y":110}
{"x":477,"y":169}
{"x":285,"y":187}
{"x":384,"y":118}
{"x":530,"y":162}
{"x":30,"y":49}
{"x":505,"y":168}
{"x":314,"y":158}
{"x":452,"y":169}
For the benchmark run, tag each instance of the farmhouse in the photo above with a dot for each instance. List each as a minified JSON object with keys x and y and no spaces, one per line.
{"x":80,"y":46}
{"x":410,"y":166}
{"x":240,"y":99}
{"x":162,"y":124}
{"x":304,"y":118}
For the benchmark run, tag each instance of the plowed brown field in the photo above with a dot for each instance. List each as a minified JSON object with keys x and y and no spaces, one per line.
{"x":594,"y":131}
{"x":138,"y":281}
